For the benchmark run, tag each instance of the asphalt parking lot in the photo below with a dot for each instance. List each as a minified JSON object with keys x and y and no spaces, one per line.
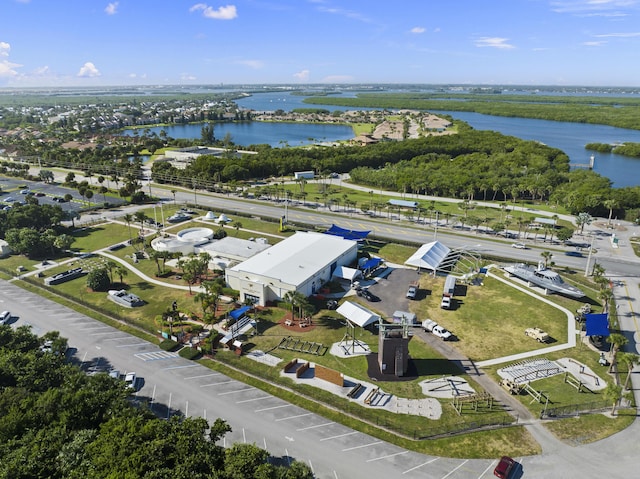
{"x":392,"y":290}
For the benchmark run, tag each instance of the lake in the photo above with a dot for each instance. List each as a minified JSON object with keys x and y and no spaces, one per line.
{"x":569,"y":137}
{"x":259,"y":132}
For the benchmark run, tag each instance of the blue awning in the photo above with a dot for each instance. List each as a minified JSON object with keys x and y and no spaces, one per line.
{"x":347,"y":234}
{"x":597,"y":324}
{"x":238,"y":313}
{"x":371,"y":263}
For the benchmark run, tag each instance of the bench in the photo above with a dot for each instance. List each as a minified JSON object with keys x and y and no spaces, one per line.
{"x":355,"y":390}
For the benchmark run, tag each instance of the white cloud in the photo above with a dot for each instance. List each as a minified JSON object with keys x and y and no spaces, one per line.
{"x":418,"y":30}
{"x":604,"y":8}
{"x":7,"y":68}
{"x":594,"y":44}
{"x":345,"y":13}
{"x":42,"y":71}
{"x":618,"y":35}
{"x":227,"y":12}
{"x":302,"y":75}
{"x":112,"y":8}
{"x":88,"y":70}
{"x":494,"y":42}
{"x":187,"y":77}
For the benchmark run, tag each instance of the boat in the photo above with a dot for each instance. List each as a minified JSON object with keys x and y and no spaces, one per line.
{"x":179,"y":216}
{"x":125,"y":299}
{"x":544,"y":278}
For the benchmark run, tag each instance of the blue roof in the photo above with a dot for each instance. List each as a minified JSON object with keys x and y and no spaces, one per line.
{"x":238,"y":313}
{"x":597,"y":324}
{"x":371,"y":263}
{"x":347,"y":234}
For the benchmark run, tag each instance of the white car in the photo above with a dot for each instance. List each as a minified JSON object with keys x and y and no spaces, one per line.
{"x":446,"y":302}
{"x":441,"y":332}
{"x":428,"y":325}
{"x":130,"y":380}
{"x":519,"y":245}
{"x":5,"y":316}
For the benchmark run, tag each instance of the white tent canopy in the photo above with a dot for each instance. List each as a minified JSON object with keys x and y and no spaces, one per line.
{"x":429,"y":256}
{"x":356,"y":314}
{"x":347,"y":273}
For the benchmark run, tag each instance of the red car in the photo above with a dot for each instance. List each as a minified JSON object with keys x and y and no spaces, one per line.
{"x":504,"y":467}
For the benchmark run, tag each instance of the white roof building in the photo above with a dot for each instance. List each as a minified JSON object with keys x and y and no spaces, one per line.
{"x":302,"y":262}
{"x":429,"y":256}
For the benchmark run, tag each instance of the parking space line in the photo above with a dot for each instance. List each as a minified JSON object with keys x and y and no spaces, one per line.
{"x":253,"y":399}
{"x":130,"y":345}
{"x":455,"y":469}
{"x":317,"y":425}
{"x":217,"y":384}
{"x":339,"y":435}
{"x":363,"y":445}
{"x":203,"y":376}
{"x":235,"y":391}
{"x":388,"y":456}
{"x":102,"y":334}
{"x":295,"y":417}
{"x":420,"y":465}
{"x":272,"y":407}
{"x":180,"y":367}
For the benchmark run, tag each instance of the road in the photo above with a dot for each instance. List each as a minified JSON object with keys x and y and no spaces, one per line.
{"x":172,"y":384}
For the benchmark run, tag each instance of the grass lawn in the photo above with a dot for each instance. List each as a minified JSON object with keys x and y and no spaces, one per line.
{"x":100,"y":236}
{"x":490,"y":320}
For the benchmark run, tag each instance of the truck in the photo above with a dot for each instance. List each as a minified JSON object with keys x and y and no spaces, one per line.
{"x":446,"y":302}
{"x":537,"y":334}
{"x":449,"y":285}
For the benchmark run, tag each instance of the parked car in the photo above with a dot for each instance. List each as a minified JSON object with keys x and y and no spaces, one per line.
{"x":519,"y":245}
{"x":412,"y":291}
{"x":25,"y":192}
{"x":441,"y":332}
{"x":446,"y":302}
{"x":130,"y":380}
{"x":504,"y":467}
{"x":5,"y":316}
{"x":368,"y":295}
{"x":537,"y":334}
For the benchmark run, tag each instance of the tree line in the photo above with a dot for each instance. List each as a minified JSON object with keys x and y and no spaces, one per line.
{"x":58,"y":422}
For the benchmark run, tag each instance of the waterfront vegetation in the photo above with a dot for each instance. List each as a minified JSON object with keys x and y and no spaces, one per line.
{"x":618,"y":111}
{"x":625,"y":149}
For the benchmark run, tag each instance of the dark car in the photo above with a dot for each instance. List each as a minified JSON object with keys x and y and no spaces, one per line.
{"x":577,"y":254}
{"x":504,"y":467}
{"x":368,"y":295}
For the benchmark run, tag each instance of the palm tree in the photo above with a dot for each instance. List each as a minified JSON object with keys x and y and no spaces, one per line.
{"x":546,"y":255}
{"x":630,"y":360}
{"x":127,"y":219}
{"x":606,"y":295}
{"x":173,"y":192}
{"x":617,"y":341}
{"x":611,"y":204}
{"x":612,"y":394}
{"x":121,"y":271}
{"x":237,"y":225}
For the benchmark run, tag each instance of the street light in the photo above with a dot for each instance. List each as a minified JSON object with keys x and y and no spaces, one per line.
{"x":586,"y":269}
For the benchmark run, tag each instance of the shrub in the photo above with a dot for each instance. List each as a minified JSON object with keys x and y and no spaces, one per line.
{"x":189,"y":353}
{"x":168,"y":345}
{"x":98,"y":279}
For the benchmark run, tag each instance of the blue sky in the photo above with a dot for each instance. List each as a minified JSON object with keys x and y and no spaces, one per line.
{"x":150,"y":42}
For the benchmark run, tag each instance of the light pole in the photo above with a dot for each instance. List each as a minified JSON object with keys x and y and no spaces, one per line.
{"x":435,"y":231}
{"x":586,"y":269}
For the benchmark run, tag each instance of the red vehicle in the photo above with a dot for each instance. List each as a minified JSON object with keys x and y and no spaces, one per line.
{"x":504,"y":467}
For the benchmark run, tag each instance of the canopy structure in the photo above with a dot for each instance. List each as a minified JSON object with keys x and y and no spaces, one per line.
{"x":371,"y":264}
{"x":356,"y":314}
{"x":403,"y":203}
{"x":347,"y":234}
{"x":429,"y":256}
{"x":238,"y":313}
{"x":346,"y":273}
{"x":597,"y":324}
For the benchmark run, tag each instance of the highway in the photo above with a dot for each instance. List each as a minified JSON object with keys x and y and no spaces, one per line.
{"x":173,"y":385}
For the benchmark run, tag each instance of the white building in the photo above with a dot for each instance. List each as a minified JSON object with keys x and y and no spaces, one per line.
{"x":302,"y":262}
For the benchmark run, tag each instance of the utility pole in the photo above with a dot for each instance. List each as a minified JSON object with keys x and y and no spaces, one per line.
{"x":586,"y":269}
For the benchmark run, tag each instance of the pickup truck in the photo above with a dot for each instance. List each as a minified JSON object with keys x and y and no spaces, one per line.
{"x":537,"y":334}
{"x":430,"y":326}
{"x":446,"y":302}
